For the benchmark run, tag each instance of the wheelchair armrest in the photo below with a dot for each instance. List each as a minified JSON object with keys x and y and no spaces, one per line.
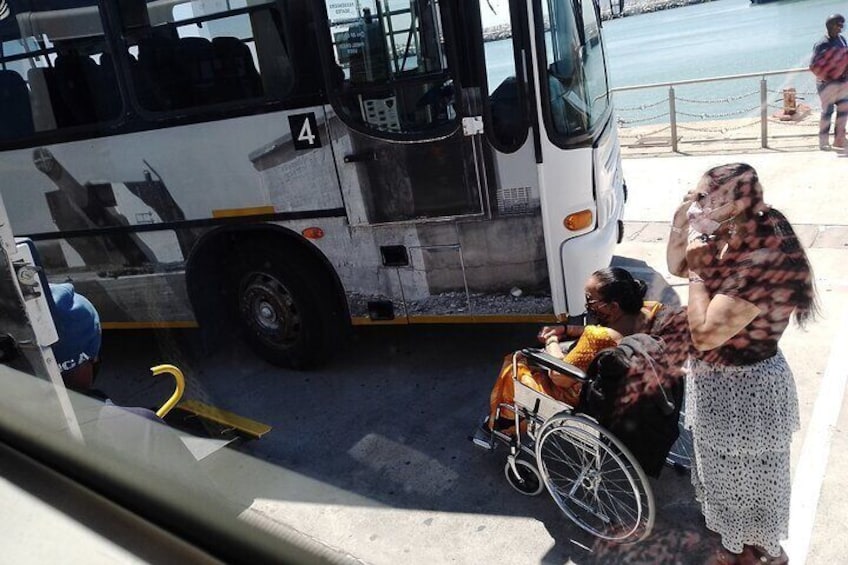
{"x":548,"y":361}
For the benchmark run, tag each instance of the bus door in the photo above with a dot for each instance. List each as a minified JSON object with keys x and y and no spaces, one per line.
{"x":403,"y":154}
{"x":406,"y":134}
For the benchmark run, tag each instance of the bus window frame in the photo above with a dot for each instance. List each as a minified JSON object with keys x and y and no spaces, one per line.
{"x":216,"y":111}
{"x":593,"y":133}
{"x":518,"y":19}
{"x":328,"y":62}
{"x":134,"y":119}
{"x":77,"y":132}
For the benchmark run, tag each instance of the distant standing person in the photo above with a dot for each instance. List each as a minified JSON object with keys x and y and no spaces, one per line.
{"x":748,"y":276}
{"x":828,"y":63}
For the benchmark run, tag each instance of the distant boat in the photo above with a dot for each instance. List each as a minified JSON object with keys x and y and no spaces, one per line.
{"x":762,"y":1}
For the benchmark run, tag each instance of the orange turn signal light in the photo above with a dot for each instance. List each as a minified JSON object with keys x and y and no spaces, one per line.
{"x":578,"y":220}
{"x":313,"y":233}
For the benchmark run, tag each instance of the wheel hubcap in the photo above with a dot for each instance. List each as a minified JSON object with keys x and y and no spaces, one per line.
{"x":269,"y":310}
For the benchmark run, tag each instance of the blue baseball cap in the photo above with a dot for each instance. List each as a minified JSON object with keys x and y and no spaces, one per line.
{"x":78,"y":326}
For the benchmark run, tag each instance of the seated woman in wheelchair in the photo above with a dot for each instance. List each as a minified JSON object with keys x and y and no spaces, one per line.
{"x":615,"y":303}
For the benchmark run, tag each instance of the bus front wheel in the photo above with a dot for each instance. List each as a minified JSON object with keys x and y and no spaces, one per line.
{"x":279,"y":312}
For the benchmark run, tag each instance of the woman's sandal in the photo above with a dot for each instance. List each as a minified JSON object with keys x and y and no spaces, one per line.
{"x":761,"y":556}
{"x":722,"y":556}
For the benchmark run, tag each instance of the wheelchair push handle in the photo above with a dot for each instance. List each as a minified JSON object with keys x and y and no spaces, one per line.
{"x":548,"y":361}
{"x":178,"y":391}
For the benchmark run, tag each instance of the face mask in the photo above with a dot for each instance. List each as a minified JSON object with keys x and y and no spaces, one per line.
{"x":595,"y":317}
{"x":700,"y":220}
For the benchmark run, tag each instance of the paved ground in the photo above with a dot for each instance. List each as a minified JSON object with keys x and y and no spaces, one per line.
{"x":369,"y":455}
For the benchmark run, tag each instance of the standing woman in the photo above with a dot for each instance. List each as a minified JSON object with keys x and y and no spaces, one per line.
{"x":748,"y":275}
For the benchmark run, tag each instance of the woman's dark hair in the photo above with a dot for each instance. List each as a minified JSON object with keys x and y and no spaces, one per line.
{"x":618,"y":285}
{"x":772,"y":230}
{"x":745,"y":179}
{"x":773,"y":225}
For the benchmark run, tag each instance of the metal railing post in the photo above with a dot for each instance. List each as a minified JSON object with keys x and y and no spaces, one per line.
{"x":672,"y":115}
{"x":763,"y":113}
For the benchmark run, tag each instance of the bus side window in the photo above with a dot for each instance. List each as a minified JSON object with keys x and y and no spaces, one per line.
{"x":186,"y":62}
{"x":15,"y":109}
{"x":237,"y":75}
{"x":157,"y":78}
{"x":81,"y":91}
{"x":55,"y":55}
{"x":196,"y":62}
{"x":276,"y":69}
{"x":107,"y":97}
{"x":69,"y":89}
{"x":42,"y":110}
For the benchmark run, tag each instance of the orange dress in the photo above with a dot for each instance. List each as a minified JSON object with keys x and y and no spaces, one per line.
{"x":593,"y":340}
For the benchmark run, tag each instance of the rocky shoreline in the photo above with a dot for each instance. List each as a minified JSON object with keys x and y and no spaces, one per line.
{"x":630,"y":9}
{"x":646,"y":6}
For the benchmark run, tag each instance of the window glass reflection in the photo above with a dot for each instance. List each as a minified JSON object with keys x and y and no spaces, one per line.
{"x":391,"y":73}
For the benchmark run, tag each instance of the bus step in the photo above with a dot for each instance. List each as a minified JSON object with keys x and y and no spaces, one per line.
{"x":244,"y":425}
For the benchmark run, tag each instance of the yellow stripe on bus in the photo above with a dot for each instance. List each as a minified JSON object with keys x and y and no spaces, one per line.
{"x":148,"y":325}
{"x":236,"y":212}
{"x":365,"y":321}
{"x":495,"y":319}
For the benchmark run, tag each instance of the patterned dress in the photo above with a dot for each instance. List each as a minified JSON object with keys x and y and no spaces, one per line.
{"x":742,"y":406}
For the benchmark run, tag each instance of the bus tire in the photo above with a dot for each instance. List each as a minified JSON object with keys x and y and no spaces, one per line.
{"x":280,"y":313}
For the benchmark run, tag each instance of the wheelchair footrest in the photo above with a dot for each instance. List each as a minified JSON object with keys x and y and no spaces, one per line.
{"x":244,"y":425}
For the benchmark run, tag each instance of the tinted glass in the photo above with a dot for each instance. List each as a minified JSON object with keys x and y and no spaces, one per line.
{"x":390,"y":66}
{"x":56,"y":69}
{"x":576,"y":73}
{"x":203,"y":52}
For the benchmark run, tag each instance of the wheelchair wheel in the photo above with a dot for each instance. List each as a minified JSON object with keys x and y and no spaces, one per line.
{"x":594,"y":479}
{"x":529,"y":482}
{"x":680,"y":455}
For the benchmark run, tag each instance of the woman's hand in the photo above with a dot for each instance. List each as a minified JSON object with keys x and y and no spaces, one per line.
{"x":550,"y":333}
{"x":676,"y":251}
{"x":699,"y":254}
{"x":553,"y":349}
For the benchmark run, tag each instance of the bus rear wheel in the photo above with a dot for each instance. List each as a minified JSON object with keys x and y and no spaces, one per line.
{"x":280,"y":314}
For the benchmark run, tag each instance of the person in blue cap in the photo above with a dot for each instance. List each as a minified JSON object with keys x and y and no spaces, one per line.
{"x":78,"y":350}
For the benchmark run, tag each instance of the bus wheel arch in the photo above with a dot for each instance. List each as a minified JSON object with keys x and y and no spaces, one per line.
{"x":273,"y":286}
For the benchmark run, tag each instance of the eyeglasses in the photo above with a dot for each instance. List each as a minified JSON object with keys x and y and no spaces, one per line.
{"x":590,"y":301}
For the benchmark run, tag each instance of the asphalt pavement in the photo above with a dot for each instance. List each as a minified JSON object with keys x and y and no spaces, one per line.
{"x":369,"y":455}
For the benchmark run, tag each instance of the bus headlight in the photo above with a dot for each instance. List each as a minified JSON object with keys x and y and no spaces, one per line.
{"x":578,"y":220}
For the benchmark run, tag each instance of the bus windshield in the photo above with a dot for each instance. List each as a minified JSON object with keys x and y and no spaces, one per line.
{"x":576,"y":70}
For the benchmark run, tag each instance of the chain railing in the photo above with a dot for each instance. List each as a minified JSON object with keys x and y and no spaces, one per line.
{"x":675,"y":119}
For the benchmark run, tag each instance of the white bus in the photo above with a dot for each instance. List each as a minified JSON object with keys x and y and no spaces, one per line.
{"x":289,"y":167}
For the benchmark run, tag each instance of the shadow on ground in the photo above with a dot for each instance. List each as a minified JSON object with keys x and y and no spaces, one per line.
{"x":388,"y":420}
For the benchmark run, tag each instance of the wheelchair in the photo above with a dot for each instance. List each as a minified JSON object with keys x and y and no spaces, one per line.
{"x":592,"y":476}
